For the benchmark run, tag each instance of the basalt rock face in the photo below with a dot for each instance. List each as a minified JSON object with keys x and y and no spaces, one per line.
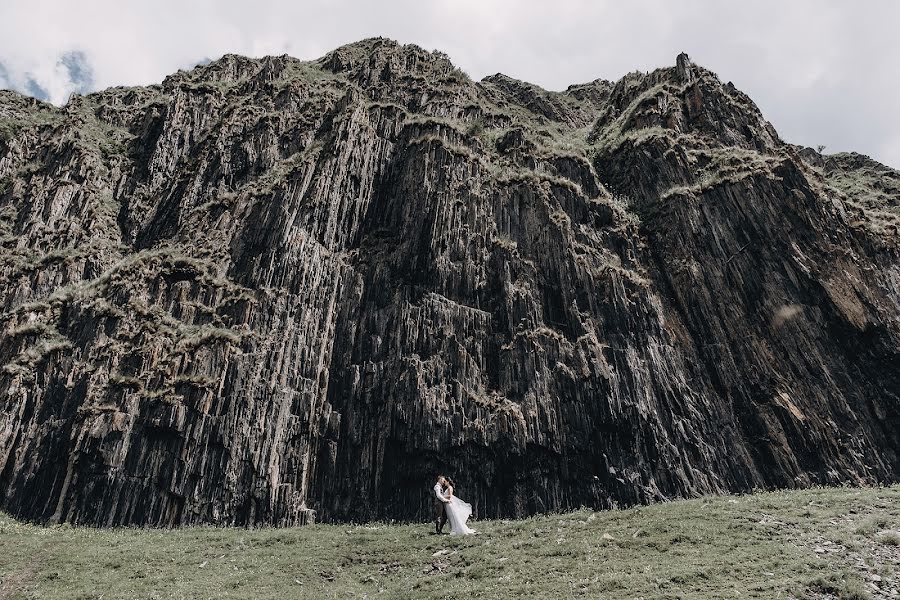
{"x":269,"y":290}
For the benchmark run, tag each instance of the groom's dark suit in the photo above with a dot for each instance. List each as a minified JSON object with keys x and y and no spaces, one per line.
{"x":440,"y":513}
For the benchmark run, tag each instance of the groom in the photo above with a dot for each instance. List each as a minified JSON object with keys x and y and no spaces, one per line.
{"x":440,"y":502}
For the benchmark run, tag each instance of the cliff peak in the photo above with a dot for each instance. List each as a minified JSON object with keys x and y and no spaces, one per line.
{"x":683,"y":67}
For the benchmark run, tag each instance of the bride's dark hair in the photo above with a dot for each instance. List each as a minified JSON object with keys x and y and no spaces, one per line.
{"x":450,"y":482}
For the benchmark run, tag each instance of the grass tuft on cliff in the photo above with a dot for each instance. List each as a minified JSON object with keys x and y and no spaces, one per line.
{"x":812,"y":544}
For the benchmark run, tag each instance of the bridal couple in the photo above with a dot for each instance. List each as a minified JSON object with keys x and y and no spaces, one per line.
{"x":450,"y":508}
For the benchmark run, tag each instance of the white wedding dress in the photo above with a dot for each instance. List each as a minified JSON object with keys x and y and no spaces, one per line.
{"x":458,"y":512}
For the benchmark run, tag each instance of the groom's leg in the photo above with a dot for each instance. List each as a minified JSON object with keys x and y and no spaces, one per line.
{"x":438,"y":516}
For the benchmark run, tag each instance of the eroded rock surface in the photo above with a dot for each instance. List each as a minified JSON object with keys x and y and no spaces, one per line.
{"x":267,"y":290}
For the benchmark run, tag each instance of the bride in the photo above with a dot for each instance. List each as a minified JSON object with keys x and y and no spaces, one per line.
{"x":458,"y":512}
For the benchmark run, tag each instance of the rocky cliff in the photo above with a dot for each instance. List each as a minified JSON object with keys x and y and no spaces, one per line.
{"x":269,"y":290}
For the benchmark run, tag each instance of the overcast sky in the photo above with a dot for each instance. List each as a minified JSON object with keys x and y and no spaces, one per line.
{"x":823,"y":71}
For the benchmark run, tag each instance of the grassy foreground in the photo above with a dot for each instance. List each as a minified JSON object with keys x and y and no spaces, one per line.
{"x":822,"y":543}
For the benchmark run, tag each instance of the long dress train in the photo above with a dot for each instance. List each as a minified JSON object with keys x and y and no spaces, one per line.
{"x":458,"y":512}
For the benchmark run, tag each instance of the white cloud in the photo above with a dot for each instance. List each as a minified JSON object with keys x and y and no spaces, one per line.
{"x":821,"y":70}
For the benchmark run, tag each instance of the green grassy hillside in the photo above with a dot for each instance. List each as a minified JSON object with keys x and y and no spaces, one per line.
{"x":823,"y":543}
